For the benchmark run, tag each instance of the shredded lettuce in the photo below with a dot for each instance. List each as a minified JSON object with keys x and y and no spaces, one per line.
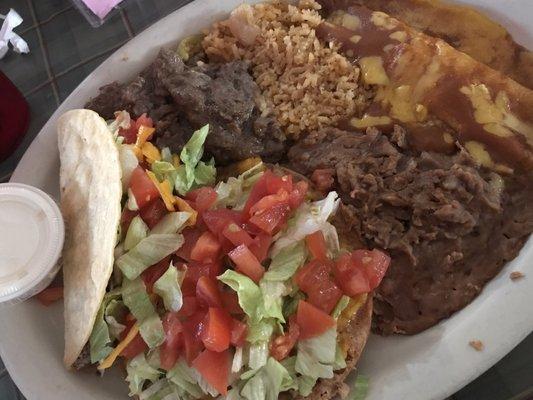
{"x":205,"y":173}
{"x":286,"y":262}
{"x":137,"y":231}
{"x":340,"y":359}
{"x":168,"y":287}
{"x":115,"y":311}
{"x":238,"y":361}
{"x":360,"y":388}
{"x":250,"y":295}
{"x":137,"y":300}
{"x":306,"y":385}
{"x":131,"y":203}
{"x":164,"y":170}
{"x":182,"y":376}
{"x":341,"y":305}
{"x":166,"y":155}
{"x":139,"y":372}
{"x":273,"y":293}
{"x":315,"y":356}
{"x":147,"y":252}
{"x":291,"y":304}
{"x":100,"y":339}
{"x":309,"y":218}
{"x":233,"y":192}
{"x":190,"y":156}
{"x":172,"y":222}
{"x":258,"y":355}
{"x":268,"y":382}
{"x":128,"y":162}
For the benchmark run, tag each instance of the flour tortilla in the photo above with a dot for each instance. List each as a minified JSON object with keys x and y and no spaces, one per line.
{"x":90,"y":182}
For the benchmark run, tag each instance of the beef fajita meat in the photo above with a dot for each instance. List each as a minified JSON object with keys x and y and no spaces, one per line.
{"x":180,"y":98}
{"x":449,"y":225}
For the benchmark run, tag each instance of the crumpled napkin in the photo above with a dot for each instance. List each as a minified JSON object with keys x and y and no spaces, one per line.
{"x":11,"y":21}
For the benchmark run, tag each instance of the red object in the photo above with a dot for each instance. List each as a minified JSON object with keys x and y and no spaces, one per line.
{"x":206,"y":249}
{"x":189,"y":307}
{"x":275,"y":183}
{"x":247,"y":263}
{"x":215,"y":368}
{"x":270,"y":220}
{"x":261,"y":245}
{"x":207,"y":292}
{"x":259,"y":190}
{"x":153,"y":273}
{"x":216,"y":332}
{"x":315,"y":279}
{"x":236,"y":235}
{"x":239,"y":331}
{"x":130,"y":134}
{"x":50,"y":295}
{"x":297,"y":196}
{"x":194,"y":271}
{"x":190,"y":236}
{"x":126,"y":217}
{"x":169,"y":351}
{"x":312,"y":321}
{"x":153,"y":212}
{"x":14,"y":117}
{"x":142,"y":187}
{"x":317,"y":245}
{"x":282,"y":345}
{"x":230,"y":300}
{"x":361,"y":271}
{"x":374,"y":262}
{"x":203,"y":198}
{"x":267,"y":202}
{"x":323,"y":179}
{"x":136,"y":346}
{"x":192,"y":329}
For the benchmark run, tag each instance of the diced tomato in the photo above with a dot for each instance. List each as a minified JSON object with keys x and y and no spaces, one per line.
{"x":282,"y":345}
{"x":136,"y":346}
{"x":192,"y":329}
{"x":259,"y":190}
{"x":153,"y":212}
{"x":315,"y":279}
{"x":230,"y":300}
{"x":323,"y":179}
{"x":239,"y":331}
{"x":130,"y":134}
{"x":50,"y":295}
{"x":125,"y":219}
{"x":142,"y":187}
{"x":207,"y":292}
{"x":144,"y":120}
{"x":312,"y":321}
{"x":190,"y":236}
{"x":297,"y":196}
{"x":189,"y":307}
{"x":275,"y":183}
{"x":261,"y":245}
{"x":216,"y":332}
{"x":206,"y":249}
{"x":170,"y":349}
{"x":247,"y":263}
{"x":374,"y":262}
{"x":194,"y":270}
{"x":236,"y":235}
{"x":153,"y":273}
{"x":350,"y":277}
{"x":317,"y":245}
{"x":271,"y":219}
{"x":270,"y":201}
{"x":361,"y":271}
{"x":203,"y":198}
{"x":215,"y":368}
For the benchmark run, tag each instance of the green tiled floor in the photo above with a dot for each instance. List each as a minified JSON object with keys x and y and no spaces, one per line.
{"x":72,"y":49}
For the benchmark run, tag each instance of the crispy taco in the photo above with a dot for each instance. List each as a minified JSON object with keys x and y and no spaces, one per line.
{"x":234,"y":287}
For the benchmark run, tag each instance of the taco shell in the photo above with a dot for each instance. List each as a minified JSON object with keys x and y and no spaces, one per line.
{"x":90,"y":184}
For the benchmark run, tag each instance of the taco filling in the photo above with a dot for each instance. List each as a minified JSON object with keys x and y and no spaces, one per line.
{"x":235,"y":287}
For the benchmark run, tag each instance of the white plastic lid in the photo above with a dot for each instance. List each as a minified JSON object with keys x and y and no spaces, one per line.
{"x":31,"y":239}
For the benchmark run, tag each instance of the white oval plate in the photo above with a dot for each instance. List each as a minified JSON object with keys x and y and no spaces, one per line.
{"x":431,"y":365}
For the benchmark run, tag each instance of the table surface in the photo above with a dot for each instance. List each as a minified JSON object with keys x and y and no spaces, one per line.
{"x":65,"y":49}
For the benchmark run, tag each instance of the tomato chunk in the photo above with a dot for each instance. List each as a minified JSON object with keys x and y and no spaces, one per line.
{"x":189,"y":307}
{"x":216,"y":332}
{"x":297,"y":195}
{"x":246,"y":263}
{"x":203,"y":198}
{"x":50,"y":295}
{"x":259,"y":190}
{"x":317,"y":245}
{"x":216,"y":220}
{"x":261,"y":245}
{"x":239,"y":331}
{"x":206,"y":249}
{"x":267,"y":202}
{"x":170,"y":349}
{"x":207,"y":292}
{"x":190,"y":236}
{"x":272,"y":219}
{"x":312,"y":321}
{"x":282,"y":345}
{"x":136,"y":346}
{"x":215,"y":368}
{"x":374,"y":262}
{"x":351,"y":277}
{"x":315,"y":279}
{"x":275,"y":183}
{"x":236,"y":235}
{"x":126,"y":217}
{"x":142,"y":187}
{"x":130,"y":134}
{"x":153,"y":212}
{"x":192,"y":330}
{"x":231,"y":302}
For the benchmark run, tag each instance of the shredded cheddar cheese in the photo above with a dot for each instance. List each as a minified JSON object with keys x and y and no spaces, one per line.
{"x":143,"y":135}
{"x":150,"y":152}
{"x":165,"y":190}
{"x":184,"y":206}
{"x":110,"y":359}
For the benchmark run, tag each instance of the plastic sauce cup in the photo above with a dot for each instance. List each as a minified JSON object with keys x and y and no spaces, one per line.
{"x":31,"y":238}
